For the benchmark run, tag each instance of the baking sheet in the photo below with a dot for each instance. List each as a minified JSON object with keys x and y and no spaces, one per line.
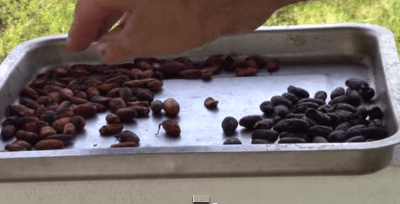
{"x":314,"y":58}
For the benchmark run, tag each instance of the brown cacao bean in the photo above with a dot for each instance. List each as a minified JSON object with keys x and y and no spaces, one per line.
{"x":171,"y":107}
{"x":111,"y":129}
{"x":113,"y":119}
{"x":49,"y":144}
{"x":85,"y":110}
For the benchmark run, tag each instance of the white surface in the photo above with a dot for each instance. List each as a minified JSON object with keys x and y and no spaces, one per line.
{"x":382,"y":187}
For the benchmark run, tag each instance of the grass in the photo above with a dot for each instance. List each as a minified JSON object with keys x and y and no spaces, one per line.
{"x":28,"y":19}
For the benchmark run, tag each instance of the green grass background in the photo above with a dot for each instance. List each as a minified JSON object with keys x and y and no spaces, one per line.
{"x":27,"y":19}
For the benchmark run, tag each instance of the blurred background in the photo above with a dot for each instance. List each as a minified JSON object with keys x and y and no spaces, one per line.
{"x":22,"y":20}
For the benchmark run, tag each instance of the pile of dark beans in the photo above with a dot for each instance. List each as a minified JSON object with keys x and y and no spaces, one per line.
{"x":295,"y":117}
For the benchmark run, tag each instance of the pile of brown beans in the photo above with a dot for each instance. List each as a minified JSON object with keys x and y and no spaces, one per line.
{"x":54,"y":107}
{"x":294,"y":117}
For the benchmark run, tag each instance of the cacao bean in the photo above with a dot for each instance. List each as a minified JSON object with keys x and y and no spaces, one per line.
{"x":49,"y":144}
{"x":232,"y":141}
{"x":111,"y":129}
{"x":171,"y":127}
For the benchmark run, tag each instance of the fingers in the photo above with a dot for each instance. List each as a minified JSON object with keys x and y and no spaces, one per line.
{"x":88,"y":23}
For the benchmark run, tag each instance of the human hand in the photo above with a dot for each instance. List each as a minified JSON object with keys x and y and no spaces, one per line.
{"x":155,"y":27}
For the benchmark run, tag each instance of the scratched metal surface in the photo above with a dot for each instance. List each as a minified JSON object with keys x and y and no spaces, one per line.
{"x":313,"y":57}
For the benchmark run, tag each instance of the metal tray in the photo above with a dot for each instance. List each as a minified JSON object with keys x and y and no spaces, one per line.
{"x":318,"y":57}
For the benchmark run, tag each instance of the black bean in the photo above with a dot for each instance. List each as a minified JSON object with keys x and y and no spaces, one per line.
{"x":296,"y":115}
{"x":339,"y":91}
{"x":232,"y":141}
{"x":367,"y":94}
{"x":319,"y":140}
{"x":276,"y":119}
{"x":260,"y":141}
{"x":293,"y":124}
{"x":362,"y":111}
{"x":376,"y":123}
{"x":357,"y":119}
{"x":302,"y":107}
{"x":319,"y":130}
{"x":337,"y":136}
{"x":310,"y":121}
{"x":321,"y":95}
{"x":280,"y":100}
{"x":374,"y":112}
{"x":293,"y":98}
{"x":267,"y":107}
{"x":343,"y":126}
{"x":354,"y":131}
{"x":299,"y":92}
{"x":313,"y":100}
{"x":335,"y":119}
{"x":293,"y":134}
{"x":288,"y":140}
{"x":229,"y":125}
{"x":376,"y":133}
{"x":354,"y":97}
{"x":326,"y":109}
{"x":319,"y":117}
{"x":345,"y":106}
{"x":281,"y":111}
{"x":339,"y":99}
{"x":269,"y":135}
{"x":249,"y":121}
{"x":356,"y":139}
{"x":355,"y":83}
{"x":264,"y":124}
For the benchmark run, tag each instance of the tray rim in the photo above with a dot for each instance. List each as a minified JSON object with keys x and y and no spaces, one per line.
{"x":385,"y":40}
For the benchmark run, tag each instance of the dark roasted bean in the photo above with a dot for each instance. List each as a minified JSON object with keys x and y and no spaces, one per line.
{"x":356,"y":84}
{"x":30,"y":137}
{"x":293,"y":124}
{"x":232,"y":141}
{"x":303,"y":107}
{"x":249,"y":121}
{"x":295,"y":115}
{"x":156,"y":106}
{"x":367,"y":94}
{"x":260,"y":141}
{"x":325,"y":109}
{"x":354,"y":131}
{"x":62,"y":137}
{"x":293,"y":134}
{"x":280,"y":100}
{"x":321,"y":95}
{"x":343,"y":126}
{"x":299,"y":92}
{"x":12,"y":120}
{"x":357,"y":119}
{"x":29,"y":103}
{"x":267,"y":107}
{"x":79,"y":122}
{"x":337,"y":118}
{"x":319,"y":117}
{"x":293,"y":98}
{"x":312,"y":100}
{"x":26,"y":119}
{"x":362,"y":111}
{"x":269,"y":135}
{"x":264,"y":124}
{"x":276,"y":119}
{"x":374,"y":112}
{"x":116,"y":103}
{"x":281,"y":111}
{"x":126,"y":94}
{"x":319,"y":130}
{"x":8,"y":132}
{"x":310,"y":121}
{"x":127,"y":136}
{"x":319,"y":140}
{"x":337,"y":136}
{"x":339,"y":91}
{"x":345,"y":106}
{"x":376,"y":123}
{"x":375,"y":133}
{"x":229,"y":125}
{"x":354,"y":97}
{"x":289,"y":140}
{"x":339,"y":99}
{"x":356,"y":139}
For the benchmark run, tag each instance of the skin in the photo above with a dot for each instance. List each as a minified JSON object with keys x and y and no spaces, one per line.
{"x":155,"y":27}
